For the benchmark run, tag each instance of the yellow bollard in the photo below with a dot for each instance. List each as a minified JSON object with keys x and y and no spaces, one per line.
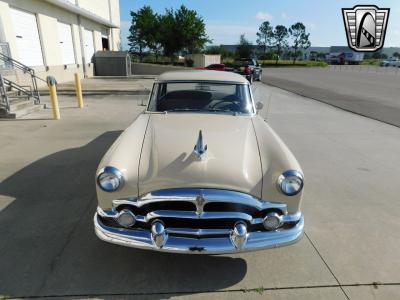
{"x":51,"y":83}
{"x":78,"y":89}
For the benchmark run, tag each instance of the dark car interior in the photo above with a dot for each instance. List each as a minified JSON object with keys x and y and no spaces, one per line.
{"x":199,"y":100}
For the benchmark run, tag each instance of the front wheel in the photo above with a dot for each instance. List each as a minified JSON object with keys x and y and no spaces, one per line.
{"x":259,"y":76}
{"x":250,"y":79}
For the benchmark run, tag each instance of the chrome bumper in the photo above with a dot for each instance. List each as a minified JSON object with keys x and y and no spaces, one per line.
{"x":209,"y":221}
{"x":143,"y":239}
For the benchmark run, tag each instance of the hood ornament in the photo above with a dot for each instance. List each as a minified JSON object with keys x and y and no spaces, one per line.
{"x":200,"y":149}
{"x":200,"y":201}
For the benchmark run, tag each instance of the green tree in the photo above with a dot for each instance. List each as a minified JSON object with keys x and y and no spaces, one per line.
{"x":213,"y":50}
{"x":169,"y":34}
{"x":173,"y":32}
{"x":143,"y":31}
{"x":281,"y":35}
{"x":379,"y":55}
{"x":219,"y":50}
{"x":191,"y":30}
{"x":396,"y":54}
{"x":301,"y":39}
{"x":155,"y":42}
{"x":182,"y":30}
{"x":265,"y":36}
{"x":321,"y":55}
{"x":244,"y":48}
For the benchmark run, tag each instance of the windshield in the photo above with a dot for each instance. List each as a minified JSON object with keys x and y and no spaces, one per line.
{"x":201,"y":97}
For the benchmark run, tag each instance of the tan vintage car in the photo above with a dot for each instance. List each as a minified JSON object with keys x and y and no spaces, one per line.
{"x":199,"y":171}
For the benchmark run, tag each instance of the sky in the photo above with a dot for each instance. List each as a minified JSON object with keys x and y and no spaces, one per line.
{"x":226,"y":20}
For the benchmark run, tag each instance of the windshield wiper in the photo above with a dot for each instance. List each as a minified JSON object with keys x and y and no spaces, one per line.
{"x":202,"y":110}
{"x":182,"y":109}
{"x":222,"y":110}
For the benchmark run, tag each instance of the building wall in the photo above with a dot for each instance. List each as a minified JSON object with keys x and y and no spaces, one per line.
{"x":153,"y":69}
{"x":204,"y":60}
{"x":116,"y":19}
{"x":47,"y":16}
{"x":107,"y":9}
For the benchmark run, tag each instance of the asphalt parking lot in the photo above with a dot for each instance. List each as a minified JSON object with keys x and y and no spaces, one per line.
{"x":47,"y":201}
{"x":370,"y":91}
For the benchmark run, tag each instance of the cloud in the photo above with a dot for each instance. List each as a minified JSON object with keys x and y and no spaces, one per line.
{"x":284,"y":16}
{"x":264,"y":16}
{"x":310,"y":25}
{"x":229,"y":33}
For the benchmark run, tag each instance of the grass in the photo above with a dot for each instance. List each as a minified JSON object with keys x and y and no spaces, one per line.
{"x":285,"y":63}
{"x":289,"y":63}
{"x":371,"y":62}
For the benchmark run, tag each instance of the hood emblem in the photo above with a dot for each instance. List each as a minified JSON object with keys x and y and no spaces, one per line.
{"x":200,"y":201}
{"x":200,"y":149}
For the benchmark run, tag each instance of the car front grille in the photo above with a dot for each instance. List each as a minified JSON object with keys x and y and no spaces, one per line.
{"x":196,"y":212}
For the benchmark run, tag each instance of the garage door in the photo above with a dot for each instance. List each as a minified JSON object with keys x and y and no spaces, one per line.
{"x":89,"y":47}
{"x":66,"y":43}
{"x":27,"y":38}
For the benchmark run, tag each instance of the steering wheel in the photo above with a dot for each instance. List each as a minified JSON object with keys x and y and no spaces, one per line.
{"x":235,"y":106}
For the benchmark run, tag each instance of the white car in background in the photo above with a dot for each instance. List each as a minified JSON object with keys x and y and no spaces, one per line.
{"x":391,"y":62}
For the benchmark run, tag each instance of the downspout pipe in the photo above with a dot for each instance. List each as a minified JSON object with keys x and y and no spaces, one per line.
{"x":85,"y":75}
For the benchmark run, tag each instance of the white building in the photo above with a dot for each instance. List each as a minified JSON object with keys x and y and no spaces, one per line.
{"x":58,"y":37}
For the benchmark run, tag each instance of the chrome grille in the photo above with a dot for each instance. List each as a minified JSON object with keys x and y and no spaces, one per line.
{"x":197,"y":212}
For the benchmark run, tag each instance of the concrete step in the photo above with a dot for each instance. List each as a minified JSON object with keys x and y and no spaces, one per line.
{"x":20,"y":103}
{"x":12,"y":93}
{"x":20,"y":108}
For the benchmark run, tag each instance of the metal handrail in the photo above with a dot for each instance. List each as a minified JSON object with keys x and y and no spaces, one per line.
{"x":35,"y":93}
{"x":18,"y":87}
{"x":15,"y":63}
{"x":20,"y":66}
{"x":4,"y":103}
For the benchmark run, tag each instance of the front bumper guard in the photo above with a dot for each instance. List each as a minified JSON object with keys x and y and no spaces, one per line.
{"x":145,"y":239}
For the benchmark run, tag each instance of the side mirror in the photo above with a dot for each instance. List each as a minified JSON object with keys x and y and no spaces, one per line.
{"x":259,"y":106}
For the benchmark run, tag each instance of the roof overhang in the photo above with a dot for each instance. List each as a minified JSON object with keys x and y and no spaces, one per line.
{"x":82,"y":12}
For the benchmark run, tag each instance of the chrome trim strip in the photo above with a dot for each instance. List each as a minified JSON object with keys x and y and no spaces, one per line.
{"x":291,"y":217}
{"x":198,"y":232}
{"x":217,"y":245}
{"x":209,"y":195}
{"x":193,"y":215}
{"x":107,"y":213}
{"x":202,"y":81}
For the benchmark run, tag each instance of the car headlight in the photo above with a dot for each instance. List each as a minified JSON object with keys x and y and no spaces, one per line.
{"x":110,"y":179}
{"x":290,"y":182}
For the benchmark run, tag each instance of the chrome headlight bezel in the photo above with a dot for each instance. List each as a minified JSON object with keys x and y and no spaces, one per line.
{"x":117,"y":174}
{"x":286,"y":176}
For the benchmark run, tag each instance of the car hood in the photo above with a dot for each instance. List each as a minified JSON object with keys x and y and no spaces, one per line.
{"x":232,"y":159}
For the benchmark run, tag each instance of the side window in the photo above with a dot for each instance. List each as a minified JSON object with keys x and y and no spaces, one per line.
{"x":153,"y":98}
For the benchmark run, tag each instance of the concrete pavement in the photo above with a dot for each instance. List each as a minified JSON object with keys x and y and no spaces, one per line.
{"x":133,"y":85}
{"x":351,"y":205}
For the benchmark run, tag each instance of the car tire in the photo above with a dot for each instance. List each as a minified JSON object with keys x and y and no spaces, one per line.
{"x":251,"y":79}
{"x":259,"y":76}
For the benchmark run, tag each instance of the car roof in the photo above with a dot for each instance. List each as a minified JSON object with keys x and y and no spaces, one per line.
{"x":202,"y":75}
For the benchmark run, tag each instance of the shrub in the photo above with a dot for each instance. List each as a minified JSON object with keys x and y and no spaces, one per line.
{"x":189,"y":62}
